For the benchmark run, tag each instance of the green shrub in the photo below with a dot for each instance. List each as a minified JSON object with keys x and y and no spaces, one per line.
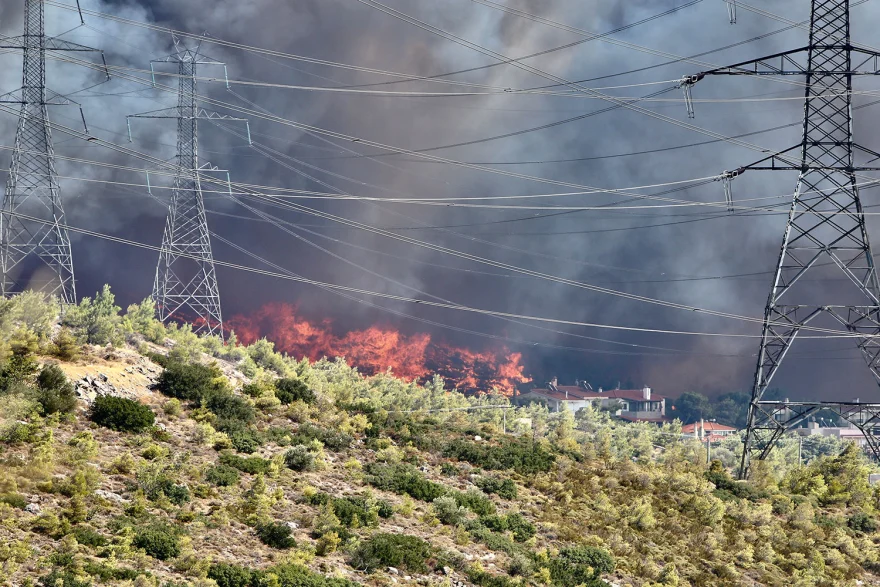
{"x":63,"y":577}
{"x":403,"y":479}
{"x":289,"y":390}
{"x":106,"y":572}
{"x":331,"y":439}
{"x":392,"y":550}
{"x":222,"y":475}
{"x":283,"y":575}
{"x":475,"y":501}
{"x":89,"y":537}
{"x":16,"y":500}
{"x":522,"y":529}
{"x":356,"y":511}
{"x":227,"y":406}
{"x":523,"y":455}
{"x":191,"y":382}
{"x":299,"y":458}
{"x":276,"y":535}
{"x":246,"y":441}
{"x":156,"y":485}
{"x":505,"y":489}
{"x":65,"y":345}
{"x":160,"y":542}
{"x":862,"y":522}
{"x":580,"y":565}
{"x":482,"y":578}
{"x":55,"y":393}
{"x":294,"y":575}
{"x":250,"y":465}
{"x":227,"y":575}
{"x":21,"y":368}
{"x":120,"y":413}
{"x":448,"y":511}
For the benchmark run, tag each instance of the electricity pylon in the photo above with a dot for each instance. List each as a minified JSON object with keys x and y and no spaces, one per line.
{"x":32,"y":223}
{"x":825,"y":225}
{"x":185,"y":287}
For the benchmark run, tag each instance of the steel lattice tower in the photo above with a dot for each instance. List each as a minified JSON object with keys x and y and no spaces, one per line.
{"x":825,"y":224}
{"x":185,"y":287}
{"x":32,"y":222}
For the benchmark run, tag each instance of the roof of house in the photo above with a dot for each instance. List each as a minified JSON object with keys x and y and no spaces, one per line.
{"x":707,"y":426}
{"x":576,"y":393}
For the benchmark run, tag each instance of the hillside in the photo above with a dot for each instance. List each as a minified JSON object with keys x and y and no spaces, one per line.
{"x":135,"y":454}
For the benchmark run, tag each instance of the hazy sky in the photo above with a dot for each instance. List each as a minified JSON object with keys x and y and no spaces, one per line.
{"x":664,"y":253}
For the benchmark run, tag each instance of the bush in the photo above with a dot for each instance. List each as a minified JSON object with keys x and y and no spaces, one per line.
{"x":505,"y":489}
{"x":862,"y":522}
{"x":55,"y":393}
{"x":89,"y":537}
{"x":331,"y":439}
{"x":63,"y":577}
{"x":250,"y":465}
{"x":580,"y":565}
{"x":475,"y":501}
{"x":522,"y":529}
{"x":276,"y":535}
{"x":189,"y":382}
{"x":283,"y":575}
{"x":65,"y":345}
{"x":448,"y":510}
{"x":523,"y":455}
{"x":294,"y":575}
{"x":356,"y":511}
{"x":227,"y":406}
{"x":392,"y":550}
{"x":106,"y":572}
{"x":123,"y":414}
{"x":227,"y":575}
{"x":222,"y":475}
{"x":289,"y":390}
{"x":160,"y":542}
{"x":15,"y":500}
{"x":403,"y":479}
{"x":245,"y":440}
{"x":299,"y":458}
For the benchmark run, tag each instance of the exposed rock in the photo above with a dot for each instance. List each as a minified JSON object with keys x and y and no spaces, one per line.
{"x":33,"y":508}
{"x":393,"y":571}
{"x":110,"y":496}
{"x":447,"y":571}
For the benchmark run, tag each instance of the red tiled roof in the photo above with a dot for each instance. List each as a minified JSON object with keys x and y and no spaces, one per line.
{"x":579,"y":393}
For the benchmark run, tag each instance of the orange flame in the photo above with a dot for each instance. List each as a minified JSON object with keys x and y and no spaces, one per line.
{"x":379,"y":348}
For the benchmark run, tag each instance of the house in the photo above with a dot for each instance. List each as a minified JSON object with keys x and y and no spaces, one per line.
{"x":637,"y":405}
{"x":842,"y":432}
{"x":710,"y":431}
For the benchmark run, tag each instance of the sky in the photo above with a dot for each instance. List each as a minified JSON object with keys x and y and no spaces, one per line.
{"x":693,"y":255}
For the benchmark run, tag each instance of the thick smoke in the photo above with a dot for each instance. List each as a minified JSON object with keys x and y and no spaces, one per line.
{"x":608,"y":248}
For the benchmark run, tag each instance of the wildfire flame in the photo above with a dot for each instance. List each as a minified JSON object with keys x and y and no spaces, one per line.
{"x":378,"y":348}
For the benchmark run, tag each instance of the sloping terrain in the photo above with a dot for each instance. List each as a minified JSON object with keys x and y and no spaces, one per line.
{"x":186,"y":461}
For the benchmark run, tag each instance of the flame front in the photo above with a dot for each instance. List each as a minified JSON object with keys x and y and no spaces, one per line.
{"x":379,"y":348}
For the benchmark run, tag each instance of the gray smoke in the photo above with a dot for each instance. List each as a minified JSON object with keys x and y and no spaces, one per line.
{"x":608,"y":248}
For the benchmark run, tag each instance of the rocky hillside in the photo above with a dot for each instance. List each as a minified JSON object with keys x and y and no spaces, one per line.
{"x":135,"y":454}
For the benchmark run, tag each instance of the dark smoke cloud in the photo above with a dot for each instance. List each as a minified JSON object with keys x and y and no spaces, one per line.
{"x":654,"y":262}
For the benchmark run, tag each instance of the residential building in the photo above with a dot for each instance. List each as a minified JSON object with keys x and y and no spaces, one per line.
{"x":711,"y":431}
{"x":843,"y":432}
{"x":640,"y":405}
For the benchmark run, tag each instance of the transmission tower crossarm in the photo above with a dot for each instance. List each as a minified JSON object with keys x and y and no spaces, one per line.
{"x":50,"y":44}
